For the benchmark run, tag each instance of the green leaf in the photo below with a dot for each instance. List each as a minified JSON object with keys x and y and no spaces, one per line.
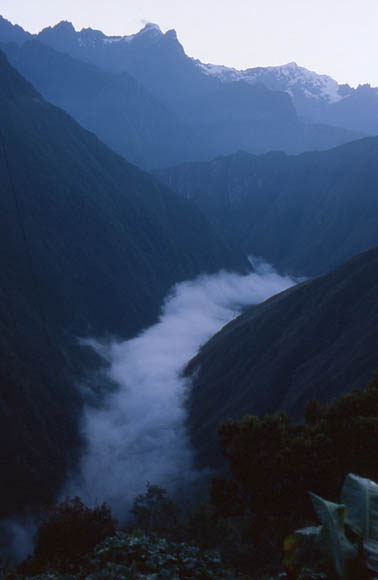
{"x":299,"y":546}
{"x":360,"y":496}
{"x":371,"y":554}
{"x":332,"y":516}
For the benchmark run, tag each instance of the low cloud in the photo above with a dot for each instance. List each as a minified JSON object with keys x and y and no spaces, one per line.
{"x":139,"y":434}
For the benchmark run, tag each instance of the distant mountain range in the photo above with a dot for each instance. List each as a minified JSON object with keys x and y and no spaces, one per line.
{"x":316,"y":98}
{"x":313,"y":341}
{"x":305,"y":214}
{"x":193,"y":114}
{"x":90,"y":246}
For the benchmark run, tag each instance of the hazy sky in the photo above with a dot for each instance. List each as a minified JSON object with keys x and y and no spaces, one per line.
{"x":336,"y":37}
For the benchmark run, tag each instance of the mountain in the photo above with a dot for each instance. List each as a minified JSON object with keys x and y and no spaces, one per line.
{"x":300,"y":83}
{"x":316,"y":98}
{"x":223,"y":116}
{"x":12,"y":32}
{"x":357,"y":111}
{"x":305,"y":214}
{"x":159,"y":61}
{"x":90,"y":246}
{"x":116,"y":107}
{"x":315,"y":340}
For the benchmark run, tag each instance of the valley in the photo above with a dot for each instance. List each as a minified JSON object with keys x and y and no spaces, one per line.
{"x":188,"y":306}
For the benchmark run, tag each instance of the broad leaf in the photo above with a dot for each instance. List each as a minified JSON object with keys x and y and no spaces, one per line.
{"x":298,"y":547}
{"x":360,"y":496}
{"x":371,"y":554}
{"x":332,"y":516}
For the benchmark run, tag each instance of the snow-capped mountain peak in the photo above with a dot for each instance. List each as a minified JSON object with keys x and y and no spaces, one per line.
{"x":150,"y":30}
{"x":290,"y":78}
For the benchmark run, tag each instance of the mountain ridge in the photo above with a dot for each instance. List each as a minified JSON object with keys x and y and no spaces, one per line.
{"x":222,"y":117}
{"x":317,"y":98}
{"x":305,"y":213}
{"x":90,"y":247}
{"x":316,"y":340}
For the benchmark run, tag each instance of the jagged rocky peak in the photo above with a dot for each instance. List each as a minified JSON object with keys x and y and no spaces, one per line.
{"x":151,"y":27}
{"x":59,"y":35}
{"x":171,"y":33}
{"x":64,"y":26}
{"x":12,"y":32}
{"x":152,"y":32}
{"x":90,"y":37}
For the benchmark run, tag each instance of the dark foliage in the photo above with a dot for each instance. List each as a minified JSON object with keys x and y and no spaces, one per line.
{"x":154,"y":512}
{"x":68,"y":531}
{"x":274,"y":462}
{"x":136,"y":557}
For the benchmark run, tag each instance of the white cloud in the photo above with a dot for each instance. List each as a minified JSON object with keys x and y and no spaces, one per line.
{"x":139,"y":435}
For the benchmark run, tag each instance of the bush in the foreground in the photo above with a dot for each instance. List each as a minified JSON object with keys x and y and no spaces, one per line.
{"x":68,"y":531}
{"x":274,"y":461}
{"x":154,"y":512}
{"x":140,"y":557}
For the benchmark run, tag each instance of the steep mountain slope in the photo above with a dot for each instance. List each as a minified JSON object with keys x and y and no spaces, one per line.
{"x":317,"y":98}
{"x":90,"y":245}
{"x":115,"y":107}
{"x":315,"y":340}
{"x":224,"y":116}
{"x":12,"y":32}
{"x":305,"y":214}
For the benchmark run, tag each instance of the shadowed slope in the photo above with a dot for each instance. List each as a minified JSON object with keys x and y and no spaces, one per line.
{"x":89,"y":245}
{"x":305,"y":214}
{"x":315,"y":340}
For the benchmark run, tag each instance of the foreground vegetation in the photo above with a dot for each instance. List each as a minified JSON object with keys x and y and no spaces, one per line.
{"x":274,"y":463}
{"x":240,"y":532}
{"x":137,"y":556}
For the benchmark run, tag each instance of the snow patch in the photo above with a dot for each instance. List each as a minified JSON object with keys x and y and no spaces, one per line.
{"x":153,"y":31}
{"x":290,"y":78}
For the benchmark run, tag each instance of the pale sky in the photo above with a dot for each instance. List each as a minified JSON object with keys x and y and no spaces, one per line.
{"x":335,"y":37}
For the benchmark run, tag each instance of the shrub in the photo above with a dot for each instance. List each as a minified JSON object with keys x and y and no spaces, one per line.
{"x":68,"y":531}
{"x":153,"y":512}
{"x":273,"y":462}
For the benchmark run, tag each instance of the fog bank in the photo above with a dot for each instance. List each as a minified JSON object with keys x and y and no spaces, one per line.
{"x":139,"y":435}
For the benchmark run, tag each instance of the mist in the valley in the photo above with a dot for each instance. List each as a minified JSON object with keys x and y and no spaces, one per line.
{"x":139,"y":435}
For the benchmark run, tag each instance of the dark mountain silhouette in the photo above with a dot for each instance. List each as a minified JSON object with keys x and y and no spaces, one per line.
{"x":315,"y":340}
{"x":306,"y":214}
{"x":90,"y":245}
